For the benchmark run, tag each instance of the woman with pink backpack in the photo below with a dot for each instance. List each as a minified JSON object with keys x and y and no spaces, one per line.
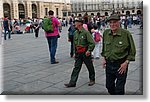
{"x":97,"y":38}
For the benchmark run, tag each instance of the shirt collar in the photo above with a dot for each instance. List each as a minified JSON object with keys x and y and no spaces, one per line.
{"x":80,"y":31}
{"x":118,"y":32}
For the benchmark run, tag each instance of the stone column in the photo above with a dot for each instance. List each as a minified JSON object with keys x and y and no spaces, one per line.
{"x":28,"y":9}
{"x":15,"y":13}
{"x":40,"y":10}
{"x":51,"y":5}
{"x":1,"y":9}
{"x":60,"y":11}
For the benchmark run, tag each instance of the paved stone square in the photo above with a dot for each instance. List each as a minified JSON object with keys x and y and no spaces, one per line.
{"x":27,"y":69}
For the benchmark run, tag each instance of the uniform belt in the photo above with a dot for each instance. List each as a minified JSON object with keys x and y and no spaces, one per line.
{"x":80,"y":49}
{"x":116,"y":61}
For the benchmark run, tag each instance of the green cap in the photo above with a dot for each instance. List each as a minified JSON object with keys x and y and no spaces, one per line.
{"x":114,"y":17}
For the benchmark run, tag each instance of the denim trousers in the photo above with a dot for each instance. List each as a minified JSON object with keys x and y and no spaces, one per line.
{"x":6,"y":30}
{"x":115,"y":82}
{"x":52,"y":42}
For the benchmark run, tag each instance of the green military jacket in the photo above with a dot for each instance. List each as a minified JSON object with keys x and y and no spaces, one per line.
{"x":85,"y":39}
{"x":118,"y":46}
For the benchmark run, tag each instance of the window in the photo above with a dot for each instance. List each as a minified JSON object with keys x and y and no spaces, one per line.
{"x":46,"y":11}
{"x":69,"y":13}
{"x":133,"y":11}
{"x":122,"y":11}
{"x":57,"y":11}
{"x":86,"y":7}
{"x":83,"y":7}
{"x":79,"y":9}
{"x":117,"y":5}
{"x":64,"y":14}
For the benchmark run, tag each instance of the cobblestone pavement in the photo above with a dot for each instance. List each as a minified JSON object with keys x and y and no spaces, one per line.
{"x":27,"y":69}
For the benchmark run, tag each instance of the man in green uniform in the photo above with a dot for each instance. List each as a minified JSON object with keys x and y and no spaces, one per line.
{"x":83,"y":46}
{"x":118,"y":49}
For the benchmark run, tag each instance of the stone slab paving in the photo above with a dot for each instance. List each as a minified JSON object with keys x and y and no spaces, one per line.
{"x":27,"y":69}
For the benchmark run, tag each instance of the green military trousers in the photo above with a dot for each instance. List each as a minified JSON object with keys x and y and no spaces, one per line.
{"x":79,"y":59}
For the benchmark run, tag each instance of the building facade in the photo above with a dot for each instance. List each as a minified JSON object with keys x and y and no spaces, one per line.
{"x":107,"y":7}
{"x":34,"y":8}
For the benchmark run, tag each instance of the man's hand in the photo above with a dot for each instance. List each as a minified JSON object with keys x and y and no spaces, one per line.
{"x":123,"y":67}
{"x":87,"y":53}
{"x":69,"y":40}
{"x":36,"y":27}
{"x":104,"y":63}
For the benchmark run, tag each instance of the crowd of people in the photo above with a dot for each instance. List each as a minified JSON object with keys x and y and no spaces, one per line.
{"x":14,"y":26}
{"x":85,"y":33}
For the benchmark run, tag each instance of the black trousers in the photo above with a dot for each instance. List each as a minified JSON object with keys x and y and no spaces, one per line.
{"x":115,"y":82}
{"x":36,"y":32}
{"x":79,"y":59}
{"x":71,"y":48}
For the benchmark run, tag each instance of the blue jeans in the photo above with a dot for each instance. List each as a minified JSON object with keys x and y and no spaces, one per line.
{"x":52,"y":42}
{"x":5,"y":33}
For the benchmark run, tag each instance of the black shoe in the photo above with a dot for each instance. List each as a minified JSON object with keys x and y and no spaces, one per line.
{"x":56,"y":62}
{"x":91,"y":83}
{"x":97,"y":58}
{"x":70,"y":85}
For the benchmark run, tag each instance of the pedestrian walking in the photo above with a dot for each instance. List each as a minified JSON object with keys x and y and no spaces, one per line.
{"x":36,"y":27}
{"x":6,"y":27}
{"x":90,"y":25}
{"x":129,"y":21}
{"x":84,"y":45}
{"x":53,"y":24}
{"x":71,"y":31}
{"x":125,"y":23}
{"x":118,"y":50}
{"x":97,"y":38}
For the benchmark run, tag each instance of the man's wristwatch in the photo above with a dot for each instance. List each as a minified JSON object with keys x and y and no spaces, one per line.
{"x":127,"y":61}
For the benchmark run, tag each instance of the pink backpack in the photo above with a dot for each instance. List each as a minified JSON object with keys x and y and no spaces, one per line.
{"x":97,"y":36}
{"x":85,"y":27}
